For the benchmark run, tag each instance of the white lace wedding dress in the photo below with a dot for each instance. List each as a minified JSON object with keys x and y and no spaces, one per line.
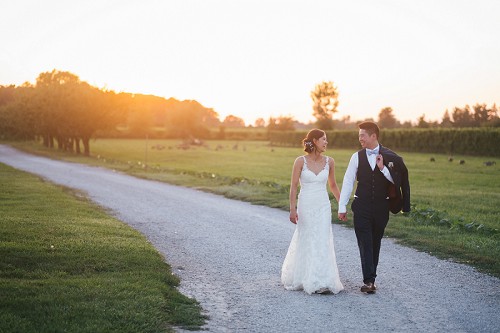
{"x":310,"y":263}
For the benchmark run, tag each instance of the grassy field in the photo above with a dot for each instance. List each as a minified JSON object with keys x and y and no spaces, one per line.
{"x":456,"y":206}
{"x":66,"y":266}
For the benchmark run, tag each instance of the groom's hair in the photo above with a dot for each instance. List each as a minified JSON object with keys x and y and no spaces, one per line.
{"x":370,"y":127}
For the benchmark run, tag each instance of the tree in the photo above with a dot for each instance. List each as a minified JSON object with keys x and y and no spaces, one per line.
{"x":481,"y":114}
{"x":260,"y":122}
{"x":210,"y":118}
{"x":386,"y":119}
{"x":7,"y":94}
{"x":493,"y":113}
{"x":140,"y":116}
{"x":406,"y":124}
{"x":493,"y":119}
{"x":446,"y":122}
{"x":69,"y":110}
{"x":344,"y":123}
{"x":422,"y":123}
{"x":478,"y":115}
{"x":185,"y":119}
{"x":463,"y":117}
{"x":17,"y":115}
{"x":233,"y":121}
{"x":99,"y":110}
{"x":282,"y":123}
{"x":325,"y":102}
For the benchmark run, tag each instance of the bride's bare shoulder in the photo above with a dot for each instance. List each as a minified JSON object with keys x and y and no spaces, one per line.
{"x":299,"y":160}
{"x":330,"y":160}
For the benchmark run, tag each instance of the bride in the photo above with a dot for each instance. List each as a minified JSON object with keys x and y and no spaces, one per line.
{"x":310,"y":262}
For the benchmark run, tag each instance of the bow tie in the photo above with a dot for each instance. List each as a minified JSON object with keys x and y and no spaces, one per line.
{"x":371,"y":151}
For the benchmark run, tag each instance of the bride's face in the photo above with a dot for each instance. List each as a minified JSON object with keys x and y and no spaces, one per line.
{"x":321,"y":144}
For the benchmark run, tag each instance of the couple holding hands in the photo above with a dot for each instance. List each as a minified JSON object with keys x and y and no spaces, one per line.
{"x":382,"y":186}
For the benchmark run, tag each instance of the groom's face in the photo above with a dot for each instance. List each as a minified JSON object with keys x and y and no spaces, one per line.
{"x":366,"y":140}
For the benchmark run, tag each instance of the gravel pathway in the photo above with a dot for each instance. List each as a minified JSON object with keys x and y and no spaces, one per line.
{"x":228,"y":255}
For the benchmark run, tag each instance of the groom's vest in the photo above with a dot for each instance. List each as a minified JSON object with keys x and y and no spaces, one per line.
{"x":372,"y":184}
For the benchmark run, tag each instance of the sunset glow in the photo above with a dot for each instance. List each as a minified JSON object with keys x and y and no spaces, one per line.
{"x":262,"y":58}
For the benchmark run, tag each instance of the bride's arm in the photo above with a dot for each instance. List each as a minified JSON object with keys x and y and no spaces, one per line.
{"x":294,"y":183}
{"x":331,"y":180}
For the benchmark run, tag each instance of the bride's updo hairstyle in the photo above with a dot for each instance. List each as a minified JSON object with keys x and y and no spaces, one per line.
{"x":308,"y":141}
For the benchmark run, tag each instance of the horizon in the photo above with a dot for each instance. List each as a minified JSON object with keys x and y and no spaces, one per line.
{"x":262,"y":59}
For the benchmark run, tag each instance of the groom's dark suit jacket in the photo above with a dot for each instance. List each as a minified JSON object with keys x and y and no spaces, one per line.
{"x":399,"y":173}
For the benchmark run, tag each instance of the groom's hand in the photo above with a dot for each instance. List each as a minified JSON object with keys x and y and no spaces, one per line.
{"x":380,"y":162}
{"x":343,"y":217}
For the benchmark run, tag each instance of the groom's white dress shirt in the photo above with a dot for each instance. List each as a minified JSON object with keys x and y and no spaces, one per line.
{"x":350,"y":176}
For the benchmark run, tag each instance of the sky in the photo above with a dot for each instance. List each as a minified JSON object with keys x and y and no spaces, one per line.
{"x":262,"y":58}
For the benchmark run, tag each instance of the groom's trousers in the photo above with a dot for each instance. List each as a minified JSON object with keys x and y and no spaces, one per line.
{"x":370,"y":220}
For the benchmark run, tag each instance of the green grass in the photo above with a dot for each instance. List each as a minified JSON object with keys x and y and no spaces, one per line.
{"x":65,"y":266}
{"x":464,"y":194}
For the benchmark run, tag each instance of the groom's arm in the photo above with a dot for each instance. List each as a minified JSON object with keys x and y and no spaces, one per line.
{"x":347,"y":186}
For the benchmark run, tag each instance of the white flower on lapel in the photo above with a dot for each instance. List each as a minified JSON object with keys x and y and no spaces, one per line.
{"x":391,"y":165}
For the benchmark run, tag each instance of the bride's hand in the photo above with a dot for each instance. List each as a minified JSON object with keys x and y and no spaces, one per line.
{"x":294,"y":217}
{"x":342,"y":216}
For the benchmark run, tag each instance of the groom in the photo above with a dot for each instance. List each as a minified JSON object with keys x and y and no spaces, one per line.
{"x":382,"y":186}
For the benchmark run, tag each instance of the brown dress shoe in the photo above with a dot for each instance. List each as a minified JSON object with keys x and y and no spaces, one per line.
{"x":369,"y":288}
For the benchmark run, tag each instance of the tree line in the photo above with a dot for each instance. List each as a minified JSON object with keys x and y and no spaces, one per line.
{"x":58,"y":109}
{"x":65,"y":112}
{"x":325,"y":104}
